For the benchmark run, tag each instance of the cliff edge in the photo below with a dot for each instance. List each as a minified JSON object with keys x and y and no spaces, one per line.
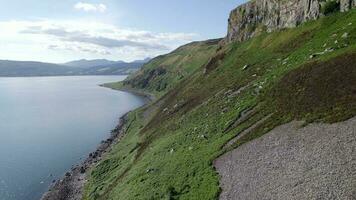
{"x":254,"y":17}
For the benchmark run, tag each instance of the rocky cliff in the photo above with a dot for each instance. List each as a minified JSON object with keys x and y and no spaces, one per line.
{"x":257,"y":16}
{"x":346,"y":5}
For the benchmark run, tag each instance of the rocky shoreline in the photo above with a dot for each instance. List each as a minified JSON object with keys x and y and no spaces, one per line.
{"x":71,"y":186}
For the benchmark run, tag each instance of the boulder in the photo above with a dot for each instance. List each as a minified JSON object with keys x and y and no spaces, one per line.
{"x":346,"y":5}
{"x":82,"y":170}
{"x":245,"y":67}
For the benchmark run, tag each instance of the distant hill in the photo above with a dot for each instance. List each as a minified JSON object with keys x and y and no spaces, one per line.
{"x":10,"y":68}
{"x":164,"y":72}
{"x":107,"y":67}
{"x":146,"y":60}
{"x":116,"y":69}
{"x":83,"y":63}
{"x":30,"y":68}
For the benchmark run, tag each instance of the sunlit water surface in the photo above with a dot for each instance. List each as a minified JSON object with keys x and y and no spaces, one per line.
{"x":47,"y":124}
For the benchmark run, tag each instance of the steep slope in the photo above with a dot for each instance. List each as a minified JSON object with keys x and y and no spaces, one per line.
{"x":292,"y":162}
{"x":162,"y":73}
{"x":239,"y":94}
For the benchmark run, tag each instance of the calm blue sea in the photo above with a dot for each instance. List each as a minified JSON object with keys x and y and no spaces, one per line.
{"x":48,"y":124}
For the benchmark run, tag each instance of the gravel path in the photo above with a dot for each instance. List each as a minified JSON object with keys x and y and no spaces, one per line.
{"x":293,"y":162}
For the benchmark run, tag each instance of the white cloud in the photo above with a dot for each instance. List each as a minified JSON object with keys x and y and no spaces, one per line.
{"x":74,"y":39}
{"x":78,"y":48}
{"x":87,"y":7}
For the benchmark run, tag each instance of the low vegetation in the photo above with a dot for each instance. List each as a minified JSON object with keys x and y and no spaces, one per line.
{"x":164,"y":72}
{"x":330,"y":7}
{"x":307,"y":73}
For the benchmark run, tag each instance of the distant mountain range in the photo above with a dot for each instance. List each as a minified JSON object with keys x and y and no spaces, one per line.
{"x":83,"y":63}
{"x":10,"y":68}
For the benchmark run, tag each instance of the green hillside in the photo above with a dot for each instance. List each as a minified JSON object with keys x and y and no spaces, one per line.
{"x":164,"y":72}
{"x":306,"y":73}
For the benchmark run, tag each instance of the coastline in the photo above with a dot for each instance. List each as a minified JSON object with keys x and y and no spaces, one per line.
{"x":146,"y":95}
{"x":71,"y":185}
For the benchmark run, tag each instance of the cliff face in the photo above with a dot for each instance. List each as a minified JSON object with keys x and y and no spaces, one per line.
{"x":256,"y":16}
{"x":346,"y":5}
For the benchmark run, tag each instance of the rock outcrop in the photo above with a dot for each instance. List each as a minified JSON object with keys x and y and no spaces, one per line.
{"x":256,"y":16}
{"x":346,"y":5}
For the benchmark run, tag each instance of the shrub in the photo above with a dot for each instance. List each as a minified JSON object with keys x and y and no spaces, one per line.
{"x":330,"y":7}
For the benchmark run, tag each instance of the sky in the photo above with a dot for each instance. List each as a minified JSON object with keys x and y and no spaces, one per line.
{"x":63,"y":30}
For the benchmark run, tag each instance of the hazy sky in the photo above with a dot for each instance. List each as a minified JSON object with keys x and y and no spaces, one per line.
{"x":63,"y":30}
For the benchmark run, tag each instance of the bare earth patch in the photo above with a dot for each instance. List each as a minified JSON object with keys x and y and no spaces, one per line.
{"x":293,"y":162}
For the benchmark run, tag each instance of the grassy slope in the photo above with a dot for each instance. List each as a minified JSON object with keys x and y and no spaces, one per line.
{"x":164,"y":72}
{"x":169,"y":154}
